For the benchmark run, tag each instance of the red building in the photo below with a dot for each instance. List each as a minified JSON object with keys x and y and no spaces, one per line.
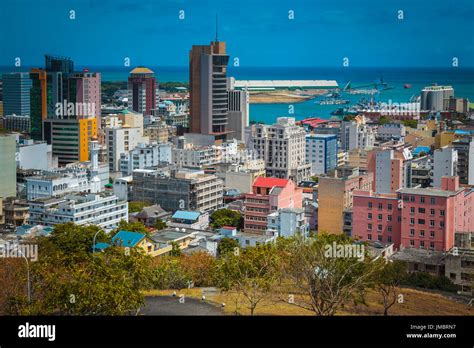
{"x":415,"y":217}
{"x":142,"y":86}
{"x":269,"y":195}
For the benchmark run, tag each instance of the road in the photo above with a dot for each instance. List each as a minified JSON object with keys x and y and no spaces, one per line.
{"x":168,"y":305}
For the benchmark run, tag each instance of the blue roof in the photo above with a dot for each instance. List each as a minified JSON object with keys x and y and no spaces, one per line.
{"x":101,"y":246}
{"x":127,"y":239}
{"x":419,"y":149}
{"x":186,"y":215}
{"x":460,"y":131}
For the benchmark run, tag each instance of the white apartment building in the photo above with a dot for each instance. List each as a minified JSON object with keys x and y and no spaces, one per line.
{"x":121,"y":140}
{"x":195,"y":157}
{"x":35,"y":155}
{"x":356,"y":134}
{"x":282,"y":146}
{"x":391,"y":131}
{"x":145,"y":156}
{"x":102,"y":210}
{"x":445,"y":163}
{"x":287,"y":222}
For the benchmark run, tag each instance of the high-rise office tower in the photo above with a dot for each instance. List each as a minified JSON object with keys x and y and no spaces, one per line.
{"x":208,"y":98}
{"x":142,"y":86}
{"x":38,"y":102}
{"x":84,"y":90}
{"x":16,"y":93}
{"x":58,"y":70}
{"x":238,"y":113}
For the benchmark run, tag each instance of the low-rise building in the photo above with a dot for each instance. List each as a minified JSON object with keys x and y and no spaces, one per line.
{"x":287,"y":222}
{"x":102,"y":210}
{"x":190,"y":220}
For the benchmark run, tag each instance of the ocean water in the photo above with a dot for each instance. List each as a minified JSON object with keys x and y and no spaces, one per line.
{"x":462,"y":80}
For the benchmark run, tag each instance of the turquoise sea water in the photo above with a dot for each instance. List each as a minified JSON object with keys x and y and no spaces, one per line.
{"x":462,"y":80}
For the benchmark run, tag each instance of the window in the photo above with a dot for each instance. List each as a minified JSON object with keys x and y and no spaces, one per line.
{"x":389,"y":206}
{"x":389,"y":228}
{"x":422,"y":199}
{"x":389,"y":239}
{"x":379,"y":238}
{"x":441,"y":213}
{"x":412,"y":232}
{"x":369,"y":216}
{"x":422,"y":244}
{"x":412,"y":221}
{"x":433,"y":200}
{"x":379,"y":227}
{"x":412,"y":210}
{"x":412,"y":198}
{"x":380,"y":206}
{"x":421,"y":221}
{"x":379,"y":217}
{"x":432,"y":211}
{"x":370,"y":205}
{"x":369,"y":237}
{"x":412,"y":242}
{"x":441,"y":224}
{"x":432,"y":234}
{"x":422,"y":233}
{"x":389,"y":217}
{"x":369,"y":227}
{"x":421,"y":210}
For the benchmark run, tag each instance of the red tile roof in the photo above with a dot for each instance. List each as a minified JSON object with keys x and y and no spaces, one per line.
{"x":270,"y":182}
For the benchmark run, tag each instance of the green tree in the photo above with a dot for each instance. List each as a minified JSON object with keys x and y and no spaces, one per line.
{"x":176,"y":250}
{"x":136,"y":206}
{"x":132,"y":227}
{"x":323,"y":281}
{"x":383,"y":120}
{"x":69,"y":279}
{"x":226,"y":217}
{"x":160,"y":224}
{"x":410,"y":123}
{"x":251,"y":273}
{"x":387,"y":280}
{"x":227,"y":245}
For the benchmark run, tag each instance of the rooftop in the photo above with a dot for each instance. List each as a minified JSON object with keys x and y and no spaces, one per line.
{"x":127,"y":238}
{"x":270,"y":182}
{"x":141,"y":70}
{"x":186,"y":215}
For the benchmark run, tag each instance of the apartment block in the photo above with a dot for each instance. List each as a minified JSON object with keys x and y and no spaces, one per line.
{"x":267,"y":196}
{"x":321,"y":152}
{"x":335,"y":195}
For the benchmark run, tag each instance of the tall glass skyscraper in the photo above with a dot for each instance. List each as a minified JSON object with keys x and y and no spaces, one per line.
{"x":16,"y":93}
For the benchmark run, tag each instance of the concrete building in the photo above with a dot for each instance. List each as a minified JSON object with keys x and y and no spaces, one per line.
{"x":85,"y":89}
{"x":357,"y":134}
{"x":16,"y":212}
{"x":445,"y":163}
{"x":391,"y":131}
{"x":18,"y":123}
{"x":321,"y":152}
{"x":195,"y":157}
{"x":34,"y":155}
{"x":391,"y":168}
{"x":426,"y":218}
{"x":465,"y":166}
{"x":38,"y":102}
{"x":70,"y":138}
{"x":335,"y":197}
{"x":190,"y":220}
{"x":238,"y":113}
{"x":7,"y":165}
{"x":208,"y":99}
{"x":287,"y":222}
{"x":145,"y":156}
{"x":178,"y":190}
{"x":267,"y":196}
{"x":121,"y":140}
{"x":16,"y":93}
{"x":436,"y":98}
{"x":103,"y":210}
{"x":282,"y":146}
{"x":143,"y":88}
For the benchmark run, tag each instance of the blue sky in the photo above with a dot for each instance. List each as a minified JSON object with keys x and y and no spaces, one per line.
{"x":258,"y":32}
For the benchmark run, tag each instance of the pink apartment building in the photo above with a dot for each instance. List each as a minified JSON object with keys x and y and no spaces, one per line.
{"x":267,"y":196}
{"x":419,"y":218}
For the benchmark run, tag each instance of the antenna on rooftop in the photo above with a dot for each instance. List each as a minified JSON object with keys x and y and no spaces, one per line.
{"x":217,"y":31}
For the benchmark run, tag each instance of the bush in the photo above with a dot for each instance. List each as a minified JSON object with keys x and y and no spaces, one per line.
{"x":428,"y":281}
{"x":169,"y":273}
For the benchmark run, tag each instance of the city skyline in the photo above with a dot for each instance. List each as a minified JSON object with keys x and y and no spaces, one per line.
{"x":151,"y":33}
